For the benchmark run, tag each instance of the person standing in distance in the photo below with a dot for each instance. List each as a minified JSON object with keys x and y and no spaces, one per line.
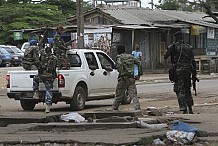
{"x":30,"y":60}
{"x":137,"y":54}
{"x":125,"y":66}
{"x":182,"y":57}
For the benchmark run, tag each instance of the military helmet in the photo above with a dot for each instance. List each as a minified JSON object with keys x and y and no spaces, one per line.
{"x":33,"y":42}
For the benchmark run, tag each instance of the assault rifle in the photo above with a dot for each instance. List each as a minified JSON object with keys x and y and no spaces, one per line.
{"x":194,"y":79}
{"x":43,"y":40}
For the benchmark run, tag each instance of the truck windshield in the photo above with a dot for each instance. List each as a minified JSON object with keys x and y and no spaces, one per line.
{"x":74,"y":60}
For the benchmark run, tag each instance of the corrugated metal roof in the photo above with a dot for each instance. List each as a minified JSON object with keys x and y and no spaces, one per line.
{"x":144,"y":16}
{"x":183,"y":15}
{"x":137,"y":15}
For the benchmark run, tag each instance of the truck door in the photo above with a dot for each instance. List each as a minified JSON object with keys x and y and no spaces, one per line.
{"x":96,"y":80}
{"x":110,"y":73}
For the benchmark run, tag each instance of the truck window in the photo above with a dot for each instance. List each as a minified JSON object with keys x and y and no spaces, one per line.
{"x":105,"y":60}
{"x":91,"y":60}
{"x":74,"y":60}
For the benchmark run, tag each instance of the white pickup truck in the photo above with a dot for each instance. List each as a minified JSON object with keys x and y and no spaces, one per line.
{"x":92,"y":76}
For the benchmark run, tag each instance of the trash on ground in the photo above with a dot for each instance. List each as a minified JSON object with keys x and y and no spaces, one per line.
{"x":152,"y":111}
{"x":169,"y":113}
{"x":157,"y":141}
{"x":182,"y":133}
{"x":181,"y":137}
{"x":181,"y":126}
{"x":72,"y":117}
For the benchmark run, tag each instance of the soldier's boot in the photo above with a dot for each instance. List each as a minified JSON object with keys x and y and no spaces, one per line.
{"x":185,"y":112}
{"x":190,"y":110}
{"x":36,"y":95}
{"x":47,"y":108}
{"x":115,"y":105}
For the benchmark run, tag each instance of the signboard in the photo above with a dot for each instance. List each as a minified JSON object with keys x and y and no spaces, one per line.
{"x":18,"y":35}
{"x":96,"y":39}
{"x":210,"y":33}
{"x":195,"y":30}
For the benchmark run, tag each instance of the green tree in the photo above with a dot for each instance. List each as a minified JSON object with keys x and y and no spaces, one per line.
{"x":182,"y":5}
{"x":210,"y":6}
{"x":168,"y":5}
{"x":26,"y":16}
{"x":68,"y":7}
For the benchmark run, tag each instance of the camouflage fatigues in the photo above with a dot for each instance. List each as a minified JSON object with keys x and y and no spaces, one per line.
{"x":182,"y":59}
{"x":60,"y":52}
{"x":125,"y":66}
{"x":30,"y":60}
{"x":46,"y":74}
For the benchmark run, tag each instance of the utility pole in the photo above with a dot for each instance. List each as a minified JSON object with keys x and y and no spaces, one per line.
{"x":80,"y":24}
{"x":152,"y":4}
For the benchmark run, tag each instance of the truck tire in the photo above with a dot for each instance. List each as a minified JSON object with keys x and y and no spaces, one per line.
{"x":79,"y":98}
{"x":27,"y":104}
{"x":127,"y":99}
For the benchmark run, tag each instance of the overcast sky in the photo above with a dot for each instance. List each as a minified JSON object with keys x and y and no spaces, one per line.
{"x":145,"y":3}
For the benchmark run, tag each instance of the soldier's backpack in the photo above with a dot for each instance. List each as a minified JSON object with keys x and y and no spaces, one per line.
{"x":127,"y":65}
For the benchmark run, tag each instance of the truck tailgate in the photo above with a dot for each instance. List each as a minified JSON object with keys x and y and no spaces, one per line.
{"x":23,"y":81}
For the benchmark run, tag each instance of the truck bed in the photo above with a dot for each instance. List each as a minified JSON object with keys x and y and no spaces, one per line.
{"x":23,"y":81}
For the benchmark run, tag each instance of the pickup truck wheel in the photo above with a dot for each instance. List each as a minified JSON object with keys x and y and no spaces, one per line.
{"x":27,"y":104}
{"x":127,"y":99}
{"x":78,"y":100}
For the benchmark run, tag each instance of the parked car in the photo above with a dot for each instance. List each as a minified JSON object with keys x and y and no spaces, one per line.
{"x":0,"y":62}
{"x":17,"y":51}
{"x":5,"y":57}
{"x":15,"y":54}
{"x":25,"y":46}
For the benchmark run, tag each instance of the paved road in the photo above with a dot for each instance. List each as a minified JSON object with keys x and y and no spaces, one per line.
{"x":207,"y":91}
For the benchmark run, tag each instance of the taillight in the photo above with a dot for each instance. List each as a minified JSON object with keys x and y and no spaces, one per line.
{"x":61,"y":81}
{"x":8,"y":81}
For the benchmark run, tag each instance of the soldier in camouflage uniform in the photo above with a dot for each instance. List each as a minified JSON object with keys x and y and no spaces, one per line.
{"x":46,"y":74}
{"x":125,"y":66}
{"x":30,"y":60}
{"x":60,"y":50}
{"x":182,"y":58}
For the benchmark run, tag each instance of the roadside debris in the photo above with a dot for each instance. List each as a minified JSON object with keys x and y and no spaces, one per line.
{"x":153,"y":111}
{"x":180,"y":134}
{"x":72,"y":117}
{"x":181,"y":137}
{"x":158,"y":141}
